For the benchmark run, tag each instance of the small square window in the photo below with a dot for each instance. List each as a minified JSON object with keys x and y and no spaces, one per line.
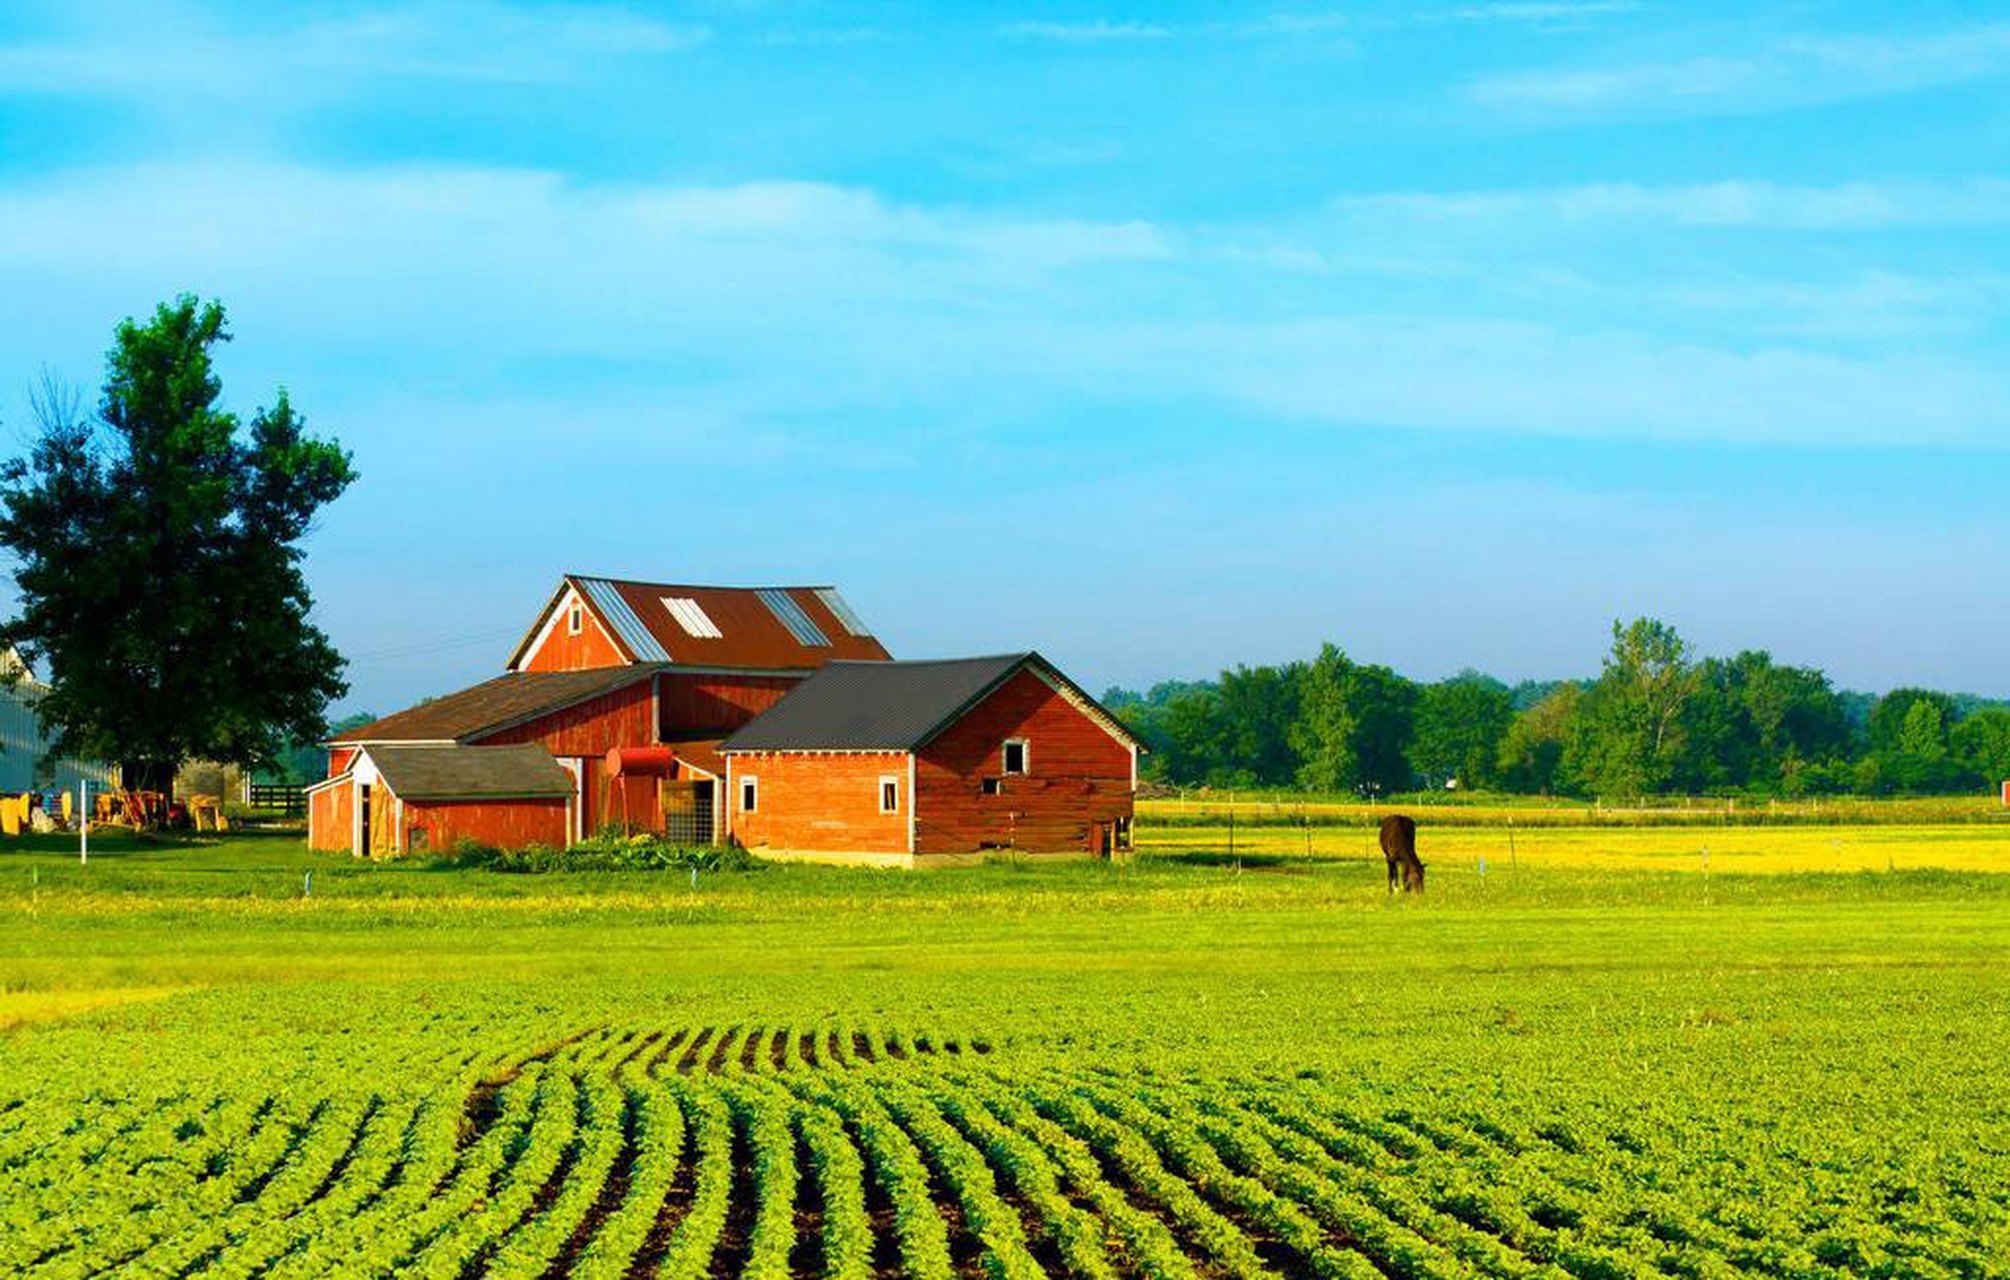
{"x":1015,"y":755}
{"x":750,"y":795}
{"x":889,"y":795}
{"x":993,"y":786}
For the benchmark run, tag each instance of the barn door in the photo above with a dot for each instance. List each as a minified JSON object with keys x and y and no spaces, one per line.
{"x":362,"y":848}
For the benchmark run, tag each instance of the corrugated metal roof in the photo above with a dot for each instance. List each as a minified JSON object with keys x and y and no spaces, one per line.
{"x":752,"y":635}
{"x":614,"y":609}
{"x":874,"y":706}
{"x":469,"y":773}
{"x":508,"y":699}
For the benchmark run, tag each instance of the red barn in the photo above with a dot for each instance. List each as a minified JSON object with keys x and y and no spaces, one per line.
{"x":612,"y":664}
{"x":932,"y":763}
{"x":766,"y":715}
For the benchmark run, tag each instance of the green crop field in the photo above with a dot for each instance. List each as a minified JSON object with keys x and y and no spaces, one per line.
{"x":1182,"y":1067}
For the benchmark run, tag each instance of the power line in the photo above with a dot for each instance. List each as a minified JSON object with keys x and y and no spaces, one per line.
{"x":431,"y":646}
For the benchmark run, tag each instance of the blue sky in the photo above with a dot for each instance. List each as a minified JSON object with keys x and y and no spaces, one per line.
{"x":1156,"y":338}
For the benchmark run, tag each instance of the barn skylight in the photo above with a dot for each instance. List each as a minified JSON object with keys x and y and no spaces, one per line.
{"x":791,"y":615}
{"x":695,"y":621}
{"x":842,"y":611}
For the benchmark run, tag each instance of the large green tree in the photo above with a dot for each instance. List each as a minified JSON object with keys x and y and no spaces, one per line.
{"x":157,"y":556}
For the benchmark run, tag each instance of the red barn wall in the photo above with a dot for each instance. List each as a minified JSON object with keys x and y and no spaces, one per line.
{"x":1079,"y":776}
{"x":820,"y":802}
{"x":560,"y":651}
{"x":339,"y":760}
{"x":693,"y":705}
{"x":331,"y":818}
{"x":505,"y":824}
{"x":591,"y":728}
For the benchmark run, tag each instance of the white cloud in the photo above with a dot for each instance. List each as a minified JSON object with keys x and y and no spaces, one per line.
{"x":1791,"y":72}
{"x":766,"y":302}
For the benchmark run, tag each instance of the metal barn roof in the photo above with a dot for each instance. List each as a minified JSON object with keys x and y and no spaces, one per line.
{"x":415,"y":772}
{"x":749,"y":628}
{"x":890,"y":706}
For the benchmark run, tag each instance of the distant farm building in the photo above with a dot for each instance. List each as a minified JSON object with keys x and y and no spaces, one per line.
{"x":769,"y":716}
{"x":25,"y":762}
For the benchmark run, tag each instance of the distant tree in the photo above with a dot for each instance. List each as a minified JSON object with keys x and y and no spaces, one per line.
{"x":1750,"y":720}
{"x":1889,"y":717}
{"x":1629,"y":736}
{"x":1532,"y":751}
{"x":1461,"y":723}
{"x":1385,"y":709}
{"x":1324,"y":734}
{"x":1354,"y":725}
{"x":1982,"y":744}
{"x":158,"y":562}
{"x":1257,"y":706}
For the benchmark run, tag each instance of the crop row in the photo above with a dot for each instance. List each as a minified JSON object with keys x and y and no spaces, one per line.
{"x":849,"y":1152}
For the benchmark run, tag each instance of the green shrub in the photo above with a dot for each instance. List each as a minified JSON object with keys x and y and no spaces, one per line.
{"x":608,"y":851}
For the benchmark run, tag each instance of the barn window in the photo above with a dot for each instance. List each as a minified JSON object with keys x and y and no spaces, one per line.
{"x":750,"y":794}
{"x":575,"y":619}
{"x":1015,"y":755}
{"x":889,"y":795}
{"x":993,"y":786}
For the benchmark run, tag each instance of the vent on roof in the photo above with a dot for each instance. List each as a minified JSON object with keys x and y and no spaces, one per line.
{"x":791,"y":615}
{"x":842,"y":611}
{"x":693,"y":618}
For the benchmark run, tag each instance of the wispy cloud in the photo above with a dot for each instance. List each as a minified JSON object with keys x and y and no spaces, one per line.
{"x":1542,"y":11}
{"x":432,"y":39}
{"x":1796,"y":71}
{"x":1850,"y":206}
{"x":785,"y":298}
{"x":1099,"y":32}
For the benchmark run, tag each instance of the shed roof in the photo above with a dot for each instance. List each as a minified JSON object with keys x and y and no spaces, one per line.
{"x":760,"y":628}
{"x":496,"y":704}
{"x":892,"y":706}
{"x":415,"y":772}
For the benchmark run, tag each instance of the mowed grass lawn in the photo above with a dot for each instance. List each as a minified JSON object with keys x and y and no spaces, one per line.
{"x":1594,"y":1057}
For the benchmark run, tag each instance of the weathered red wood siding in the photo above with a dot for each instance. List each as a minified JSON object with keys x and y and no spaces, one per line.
{"x":693,"y":705}
{"x":1079,"y":776}
{"x":819,"y":802}
{"x":330,"y":818}
{"x":384,"y":815}
{"x":505,"y":824}
{"x":591,"y":728}
{"x":339,"y":760}
{"x":561,"y":651}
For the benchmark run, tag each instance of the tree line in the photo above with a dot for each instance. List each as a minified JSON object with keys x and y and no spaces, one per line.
{"x":1657,"y":720}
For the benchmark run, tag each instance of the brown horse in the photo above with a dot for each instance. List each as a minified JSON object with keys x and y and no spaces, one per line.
{"x":1399,"y":849}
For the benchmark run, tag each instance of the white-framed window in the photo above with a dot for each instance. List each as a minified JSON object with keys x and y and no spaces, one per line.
{"x":889,"y":794}
{"x":992,"y":786}
{"x":750,"y":794}
{"x":575,"y":619}
{"x":1017,"y":757}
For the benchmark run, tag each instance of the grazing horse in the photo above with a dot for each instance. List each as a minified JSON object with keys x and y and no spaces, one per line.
{"x":1399,"y":849}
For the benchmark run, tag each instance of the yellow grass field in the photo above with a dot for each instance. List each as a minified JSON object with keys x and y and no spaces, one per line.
{"x":1719,"y":849}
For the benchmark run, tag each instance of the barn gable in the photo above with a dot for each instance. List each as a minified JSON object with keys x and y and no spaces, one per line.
{"x":592,"y":621}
